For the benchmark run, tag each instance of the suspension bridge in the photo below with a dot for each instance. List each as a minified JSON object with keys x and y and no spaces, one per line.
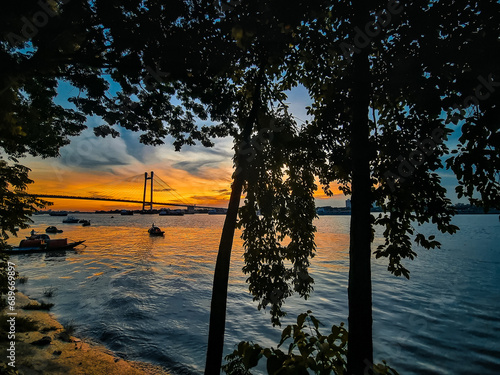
{"x":146,"y":189}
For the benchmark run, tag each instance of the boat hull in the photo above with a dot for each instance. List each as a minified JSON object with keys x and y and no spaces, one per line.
{"x":42,"y":248}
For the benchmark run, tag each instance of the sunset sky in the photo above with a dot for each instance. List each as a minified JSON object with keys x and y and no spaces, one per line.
{"x":199,"y":175}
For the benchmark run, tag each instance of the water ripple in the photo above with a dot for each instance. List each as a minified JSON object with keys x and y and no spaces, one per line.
{"x":149,"y":298}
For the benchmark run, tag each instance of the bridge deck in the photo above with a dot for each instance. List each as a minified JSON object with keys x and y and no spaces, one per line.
{"x":114,"y":200}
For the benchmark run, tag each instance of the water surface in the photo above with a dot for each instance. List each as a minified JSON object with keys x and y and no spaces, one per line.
{"x":148,"y":298}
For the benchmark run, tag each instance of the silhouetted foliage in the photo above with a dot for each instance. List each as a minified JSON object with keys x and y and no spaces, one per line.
{"x":382,"y":76}
{"x":222,"y":67}
{"x":309,"y":352}
{"x":389,"y":81}
{"x":42,"y":44}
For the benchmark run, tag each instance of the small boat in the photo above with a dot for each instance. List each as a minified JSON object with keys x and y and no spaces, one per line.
{"x":148,"y":212}
{"x":168,"y":212}
{"x":155,"y":231}
{"x":218,"y":211}
{"x":53,"y":229}
{"x":85,"y":223}
{"x":41,"y":242}
{"x":71,"y":220}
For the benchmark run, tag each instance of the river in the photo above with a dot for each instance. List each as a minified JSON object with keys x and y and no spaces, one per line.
{"x":148,"y":298}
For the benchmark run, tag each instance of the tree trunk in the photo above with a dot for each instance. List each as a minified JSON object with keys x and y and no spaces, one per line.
{"x":221,"y":276}
{"x":360,"y":348}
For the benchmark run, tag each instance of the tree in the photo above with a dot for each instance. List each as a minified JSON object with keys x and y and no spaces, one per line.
{"x":41,"y":44}
{"x":352,"y":58}
{"x":378,"y":116}
{"x":227,"y":70}
{"x":231,"y":66}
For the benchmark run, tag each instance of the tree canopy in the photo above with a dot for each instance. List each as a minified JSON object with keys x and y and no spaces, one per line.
{"x":42,"y":43}
{"x":390,"y":82}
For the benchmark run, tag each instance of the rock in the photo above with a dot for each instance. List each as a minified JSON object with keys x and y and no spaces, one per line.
{"x":45,"y":340}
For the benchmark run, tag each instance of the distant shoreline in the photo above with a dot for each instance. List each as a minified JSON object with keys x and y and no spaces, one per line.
{"x":344,"y":213}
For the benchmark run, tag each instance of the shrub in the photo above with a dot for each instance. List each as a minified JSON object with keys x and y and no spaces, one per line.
{"x":309,"y":352}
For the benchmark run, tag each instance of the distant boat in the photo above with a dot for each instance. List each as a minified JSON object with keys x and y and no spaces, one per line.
{"x":218,"y":211}
{"x":155,"y":231}
{"x":71,"y":220}
{"x":333,"y":211}
{"x":42,"y":242}
{"x":168,"y":212}
{"x":58,"y":213}
{"x":126,"y":212}
{"x":85,"y":223}
{"x":53,"y":229}
{"x":148,"y":212}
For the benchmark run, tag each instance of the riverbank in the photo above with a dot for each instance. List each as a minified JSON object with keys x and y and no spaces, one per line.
{"x":48,"y":348}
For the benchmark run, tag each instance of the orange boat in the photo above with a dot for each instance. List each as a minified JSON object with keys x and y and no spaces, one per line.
{"x":42,"y":242}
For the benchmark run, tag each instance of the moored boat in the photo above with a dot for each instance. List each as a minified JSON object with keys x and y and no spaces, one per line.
{"x":53,"y":229}
{"x":168,"y":212}
{"x":85,"y":223}
{"x":42,"y":242}
{"x":218,"y":211}
{"x":71,"y":220}
{"x":155,"y":231}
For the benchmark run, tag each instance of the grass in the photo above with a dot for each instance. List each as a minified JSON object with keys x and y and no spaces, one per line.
{"x":49,"y":292}
{"x":7,"y":370}
{"x":40,"y":306}
{"x":69,"y":327}
{"x":69,"y":330}
{"x":23,"y":324}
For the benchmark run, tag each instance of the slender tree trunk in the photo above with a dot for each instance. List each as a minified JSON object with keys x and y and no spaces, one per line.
{"x":221,"y":276}
{"x":360,"y":348}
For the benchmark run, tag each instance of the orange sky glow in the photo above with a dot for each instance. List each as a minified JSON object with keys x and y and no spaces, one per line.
{"x":201,"y":191}
{"x":91,"y":166}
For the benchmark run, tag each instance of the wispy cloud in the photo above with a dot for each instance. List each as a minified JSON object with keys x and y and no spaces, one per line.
{"x":194,"y":167}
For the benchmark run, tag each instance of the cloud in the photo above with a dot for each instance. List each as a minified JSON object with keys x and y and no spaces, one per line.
{"x":141,"y":152}
{"x":193,"y":167}
{"x":89,"y":152}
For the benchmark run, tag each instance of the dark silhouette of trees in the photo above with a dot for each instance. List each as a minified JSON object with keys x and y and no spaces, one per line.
{"x":390,"y":82}
{"x":394,"y":78}
{"x":42,"y":44}
{"x":223,"y":66}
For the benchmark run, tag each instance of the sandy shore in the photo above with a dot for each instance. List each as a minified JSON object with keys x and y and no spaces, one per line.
{"x":60,"y":353}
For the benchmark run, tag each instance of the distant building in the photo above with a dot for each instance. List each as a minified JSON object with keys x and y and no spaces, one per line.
{"x":348,"y":204}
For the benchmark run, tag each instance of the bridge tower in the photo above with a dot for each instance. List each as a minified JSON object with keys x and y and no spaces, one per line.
{"x":150,"y":203}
